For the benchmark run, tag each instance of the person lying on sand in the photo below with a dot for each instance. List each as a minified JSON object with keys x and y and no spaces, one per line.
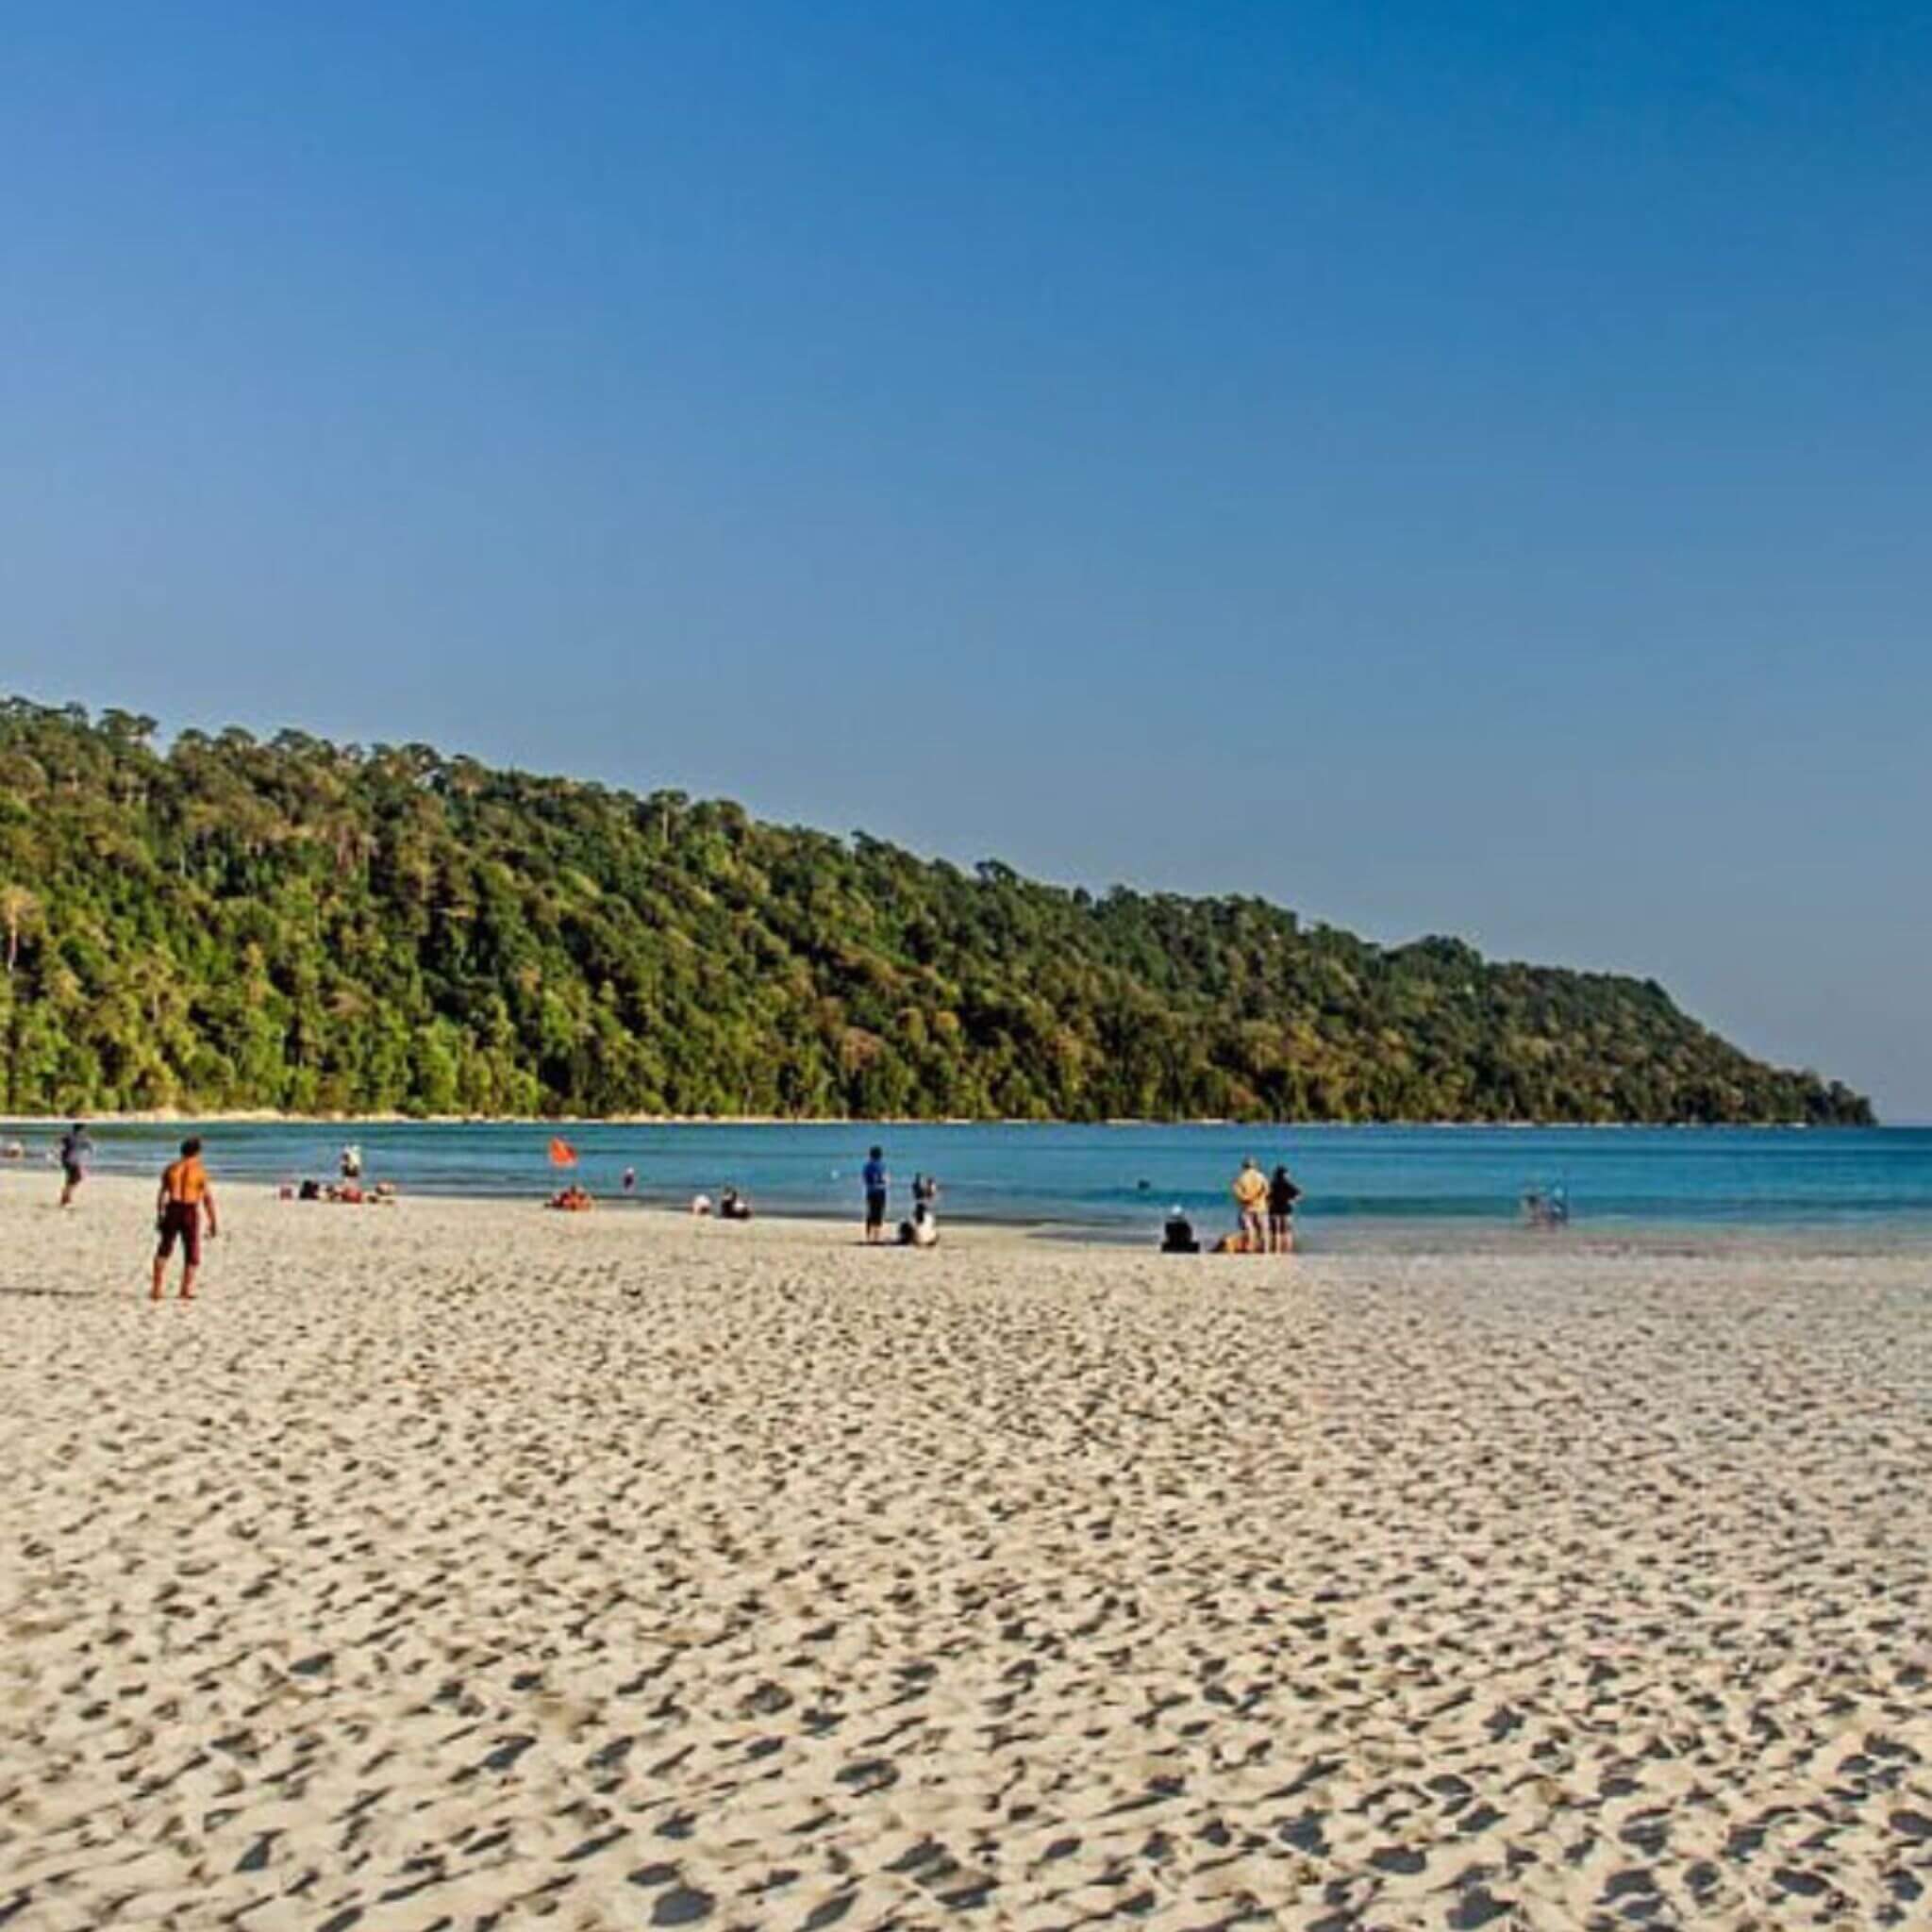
{"x":350,"y":1195}
{"x":571,"y":1200}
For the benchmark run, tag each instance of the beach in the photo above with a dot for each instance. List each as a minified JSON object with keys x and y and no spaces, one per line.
{"x":457,"y":1564}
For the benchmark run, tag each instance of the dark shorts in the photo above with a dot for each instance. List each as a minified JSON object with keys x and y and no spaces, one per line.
{"x":179,"y":1221}
{"x":74,"y":1171}
{"x":875,"y":1207}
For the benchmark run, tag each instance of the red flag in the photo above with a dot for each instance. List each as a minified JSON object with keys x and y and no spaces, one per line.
{"x":563,"y":1153}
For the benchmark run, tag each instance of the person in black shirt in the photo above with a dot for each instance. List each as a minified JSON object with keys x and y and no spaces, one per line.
{"x":76,"y":1150}
{"x":1282,"y":1195}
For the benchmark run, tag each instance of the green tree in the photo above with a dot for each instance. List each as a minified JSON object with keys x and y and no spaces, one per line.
{"x":228,"y":923}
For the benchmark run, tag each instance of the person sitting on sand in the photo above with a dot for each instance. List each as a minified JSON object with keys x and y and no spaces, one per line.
{"x":1282,"y":1195}
{"x":76,"y":1151}
{"x":921,"y":1231}
{"x":732,"y":1206}
{"x":1251,"y":1199}
{"x":571,"y":1200}
{"x":1177,"y":1235}
{"x":700,"y":1204}
{"x":184,"y":1200}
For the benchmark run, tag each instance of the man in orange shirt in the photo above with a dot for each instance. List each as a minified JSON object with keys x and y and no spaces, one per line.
{"x":1250,"y":1198}
{"x":184,"y":1199}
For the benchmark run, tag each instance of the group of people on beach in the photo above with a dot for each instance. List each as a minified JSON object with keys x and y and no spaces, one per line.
{"x":185,"y":1205}
{"x":922,"y":1229}
{"x":349,"y":1191}
{"x":1264,"y":1207}
{"x":1264,"y":1210}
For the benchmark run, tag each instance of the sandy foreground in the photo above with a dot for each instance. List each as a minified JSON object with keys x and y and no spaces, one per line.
{"x":464,"y":1565}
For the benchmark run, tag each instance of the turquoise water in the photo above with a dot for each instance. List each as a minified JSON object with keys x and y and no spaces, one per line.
{"x":1361,"y":1182}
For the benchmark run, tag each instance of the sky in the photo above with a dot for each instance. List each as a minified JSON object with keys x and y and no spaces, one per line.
{"x":1447,"y":469}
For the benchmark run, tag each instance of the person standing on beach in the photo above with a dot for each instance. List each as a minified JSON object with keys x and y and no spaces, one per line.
{"x":184,"y":1200}
{"x":1250,"y":1198}
{"x":1282,"y":1195}
{"x":76,"y":1150}
{"x":877,"y":1183}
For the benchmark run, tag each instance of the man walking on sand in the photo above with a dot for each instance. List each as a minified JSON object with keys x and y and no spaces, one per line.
{"x":76,"y":1150}
{"x":1251,"y":1197}
{"x":185,"y":1198}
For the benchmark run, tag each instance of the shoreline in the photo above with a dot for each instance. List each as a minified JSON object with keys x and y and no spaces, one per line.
{"x":271,"y":1117}
{"x":1335,"y":1236}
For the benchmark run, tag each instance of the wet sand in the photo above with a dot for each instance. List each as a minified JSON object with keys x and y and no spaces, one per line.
{"x":460,"y":1564}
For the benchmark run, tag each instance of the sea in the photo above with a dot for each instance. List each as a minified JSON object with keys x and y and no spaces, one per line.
{"x":1398,"y":1187}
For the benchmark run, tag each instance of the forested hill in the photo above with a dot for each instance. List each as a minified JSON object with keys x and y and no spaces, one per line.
{"x":295,"y":925}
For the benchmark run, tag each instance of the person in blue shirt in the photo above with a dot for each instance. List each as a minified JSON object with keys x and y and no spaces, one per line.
{"x":876,"y":1184}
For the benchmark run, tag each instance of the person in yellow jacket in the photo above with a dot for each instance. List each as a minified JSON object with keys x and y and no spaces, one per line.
{"x":1250,"y":1198}
{"x":185,"y":1198}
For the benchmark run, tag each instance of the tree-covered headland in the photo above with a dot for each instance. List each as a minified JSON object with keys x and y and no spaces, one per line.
{"x":227,"y":924}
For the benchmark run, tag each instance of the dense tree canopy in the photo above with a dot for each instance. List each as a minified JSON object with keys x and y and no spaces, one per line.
{"x":297,"y":925}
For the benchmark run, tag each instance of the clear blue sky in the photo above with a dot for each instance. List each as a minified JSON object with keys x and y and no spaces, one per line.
{"x":1446,"y":468}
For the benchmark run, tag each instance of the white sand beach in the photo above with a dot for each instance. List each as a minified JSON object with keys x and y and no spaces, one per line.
{"x":461,"y":1565}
